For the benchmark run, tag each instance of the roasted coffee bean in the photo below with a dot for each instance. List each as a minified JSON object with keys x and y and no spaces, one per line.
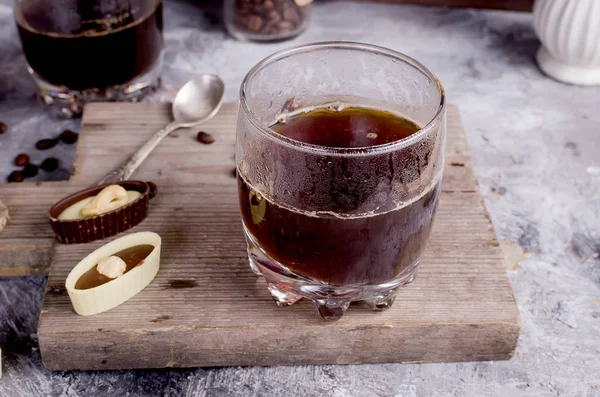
{"x":15,"y":176}
{"x":3,"y":127}
{"x":69,"y":137}
{"x":205,"y":138}
{"x":290,"y":15}
{"x":285,"y":26}
{"x":254,"y":23}
{"x":21,"y":160}
{"x":45,"y":144}
{"x":50,"y":164}
{"x":274,"y":17}
{"x":30,"y":170}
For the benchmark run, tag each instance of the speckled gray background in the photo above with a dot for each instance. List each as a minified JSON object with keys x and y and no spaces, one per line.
{"x":536,"y":147}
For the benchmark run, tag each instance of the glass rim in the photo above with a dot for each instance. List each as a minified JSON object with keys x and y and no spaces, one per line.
{"x":328,"y":150}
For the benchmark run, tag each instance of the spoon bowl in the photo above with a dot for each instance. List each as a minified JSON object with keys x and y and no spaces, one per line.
{"x":198,"y":100}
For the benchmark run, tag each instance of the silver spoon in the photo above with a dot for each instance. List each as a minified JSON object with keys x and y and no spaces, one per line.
{"x":196,"y":102}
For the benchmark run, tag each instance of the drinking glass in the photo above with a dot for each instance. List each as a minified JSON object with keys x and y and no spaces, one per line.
{"x":331,"y":224}
{"x":94,"y":50}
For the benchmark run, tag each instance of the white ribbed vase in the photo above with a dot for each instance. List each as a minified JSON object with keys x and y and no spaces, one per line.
{"x":570,"y":35}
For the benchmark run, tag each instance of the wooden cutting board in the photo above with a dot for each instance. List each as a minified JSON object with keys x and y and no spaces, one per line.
{"x":206,"y":308}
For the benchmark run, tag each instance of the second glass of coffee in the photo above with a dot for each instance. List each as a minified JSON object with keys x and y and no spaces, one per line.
{"x":339,"y":154}
{"x":97,"y":50}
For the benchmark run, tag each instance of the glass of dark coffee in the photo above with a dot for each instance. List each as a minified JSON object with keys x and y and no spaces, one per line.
{"x":339,"y":154}
{"x":93,"y":50}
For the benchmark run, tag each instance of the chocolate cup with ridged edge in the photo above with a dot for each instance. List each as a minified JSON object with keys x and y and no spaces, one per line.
{"x":86,"y":230}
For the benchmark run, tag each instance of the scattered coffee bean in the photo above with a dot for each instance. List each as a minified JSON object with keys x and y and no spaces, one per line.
{"x":69,"y":137}
{"x":3,"y":127}
{"x":30,"y":170}
{"x":254,"y":23}
{"x":50,"y":164}
{"x":21,"y":160}
{"x":270,"y":17}
{"x":205,"y":138}
{"x":45,"y":144}
{"x":15,"y":176}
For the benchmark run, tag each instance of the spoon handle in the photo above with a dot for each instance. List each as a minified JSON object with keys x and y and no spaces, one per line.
{"x":127,"y":168}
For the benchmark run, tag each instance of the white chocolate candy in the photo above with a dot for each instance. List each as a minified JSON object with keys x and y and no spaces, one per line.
{"x":117,"y":291}
{"x":112,"y":267}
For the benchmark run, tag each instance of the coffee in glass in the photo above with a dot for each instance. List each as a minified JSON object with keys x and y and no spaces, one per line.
{"x":339,"y":175}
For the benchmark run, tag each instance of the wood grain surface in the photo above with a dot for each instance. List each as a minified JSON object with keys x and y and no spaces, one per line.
{"x":206,"y":308}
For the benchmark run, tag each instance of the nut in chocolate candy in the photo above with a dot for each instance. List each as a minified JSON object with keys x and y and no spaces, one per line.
{"x":112,"y":267}
{"x":109,"y":198}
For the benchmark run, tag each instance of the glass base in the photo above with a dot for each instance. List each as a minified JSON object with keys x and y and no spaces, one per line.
{"x":331,"y":301}
{"x":69,"y":103}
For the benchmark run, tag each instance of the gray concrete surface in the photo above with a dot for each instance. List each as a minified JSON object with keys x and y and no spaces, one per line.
{"x":536,"y":147}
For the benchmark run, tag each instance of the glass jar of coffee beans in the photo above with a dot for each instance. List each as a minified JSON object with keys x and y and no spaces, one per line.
{"x":266,"y":20}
